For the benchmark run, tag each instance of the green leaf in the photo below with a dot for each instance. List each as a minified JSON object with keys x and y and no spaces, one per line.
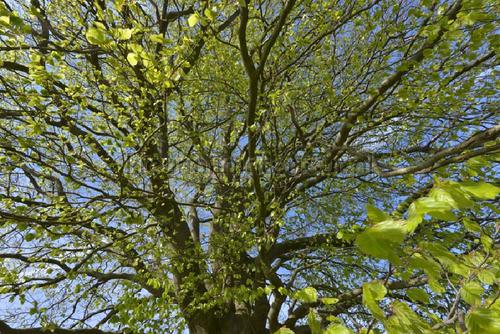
{"x":486,"y":276}
{"x":329,"y":301}
{"x":481,"y":190}
{"x":307,"y":295}
{"x":373,"y":292}
{"x":418,"y":295}
{"x":477,"y":163}
{"x":284,"y":330}
{"x":381,"y":240}
{"x":446,"y":258}
{"x":404,"y":320}
{"x":5,"y":20}
{"x":428,"y":265}
{"x":486,"y":241}
{"x":376,"y":215}
{"x":376,"y":290}
{"x":132,"y":58}
{"x":119,"y":4}
{"x":471,"y":226}
{"x":471,"y":293}
{"x":461,"y":199}
{"x":96,"y":36}
{"x":442,"y":196}
{"x":414,"y":218}
{"x":193,"y":19}
{"x":157,"y":38}
{"x":37,"y":128}
{"x":122,"y":34}
{"x":210,"y":14}
{"x":436,"y":286}
{"x":337,"y":329}
{"x":436,"y":207}
{"x":483,"y":321}
{"x":467,"y":19}
{"x":29,"y":237}
{"x":19,"y":23}
{"x":313,"y":322}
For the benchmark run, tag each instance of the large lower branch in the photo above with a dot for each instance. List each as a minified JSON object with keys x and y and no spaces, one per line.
{"x":6,"y":329}
{"x":314,"y":241}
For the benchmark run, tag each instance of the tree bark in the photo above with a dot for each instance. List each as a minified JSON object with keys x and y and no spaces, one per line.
{"x":229,"y":323}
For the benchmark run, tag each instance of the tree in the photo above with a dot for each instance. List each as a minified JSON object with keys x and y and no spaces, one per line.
{"x":297,"y":166}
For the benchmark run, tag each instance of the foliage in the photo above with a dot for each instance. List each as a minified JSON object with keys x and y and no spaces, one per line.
{"x":298,"y":166}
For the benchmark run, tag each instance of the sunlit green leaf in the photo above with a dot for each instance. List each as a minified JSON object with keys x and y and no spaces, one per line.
{"x":483,"y":321}
{"x":284,"y":330}
{"x":376,"y":215}
{"x":372,"y":293}
{"x":382,"y":239}
{"x":471,"y":293}
{"x":329,"y":301}
{"x":337,"y":329}
{"x":314,"y":322}
{"x":123,"y":34}
{"x":307,"y":295}
{"x":132,"y":58}
{"x":481,"y":190}
{"x":418,"y":295}
{"x":96,"y":36}
{"x":193,"y":19}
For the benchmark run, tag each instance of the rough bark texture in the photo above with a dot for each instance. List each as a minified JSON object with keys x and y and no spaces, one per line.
{"x":230,"y":323}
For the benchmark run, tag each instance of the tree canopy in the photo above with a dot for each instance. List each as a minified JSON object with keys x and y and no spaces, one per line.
{"x":250,"y":166}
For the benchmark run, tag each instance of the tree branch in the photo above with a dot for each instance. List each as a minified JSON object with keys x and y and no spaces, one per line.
{"x":6,"y":329}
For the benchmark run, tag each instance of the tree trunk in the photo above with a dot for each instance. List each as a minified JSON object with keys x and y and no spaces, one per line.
{"x":231,"y":323}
